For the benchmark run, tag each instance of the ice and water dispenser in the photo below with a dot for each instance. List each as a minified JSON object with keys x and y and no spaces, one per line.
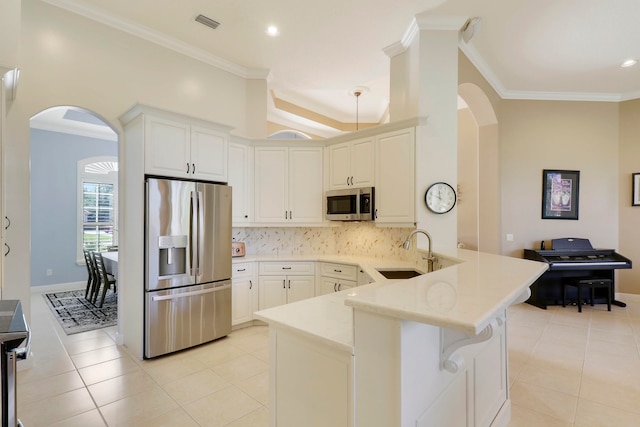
{"x":172,"y":257}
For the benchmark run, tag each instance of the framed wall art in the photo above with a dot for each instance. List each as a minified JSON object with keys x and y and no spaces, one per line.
{"x":560,"y":191}
{"x":635,"y":194}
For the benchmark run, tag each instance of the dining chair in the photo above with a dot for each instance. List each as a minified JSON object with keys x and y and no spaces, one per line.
{"x":106,"y":279}
{"x":92,"y":277}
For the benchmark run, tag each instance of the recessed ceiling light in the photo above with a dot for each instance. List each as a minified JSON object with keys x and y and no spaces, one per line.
{"x":629,"y":63}
{"x":272,"y":30}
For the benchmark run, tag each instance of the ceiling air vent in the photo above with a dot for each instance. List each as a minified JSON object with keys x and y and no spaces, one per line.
{"x":207,"y":21}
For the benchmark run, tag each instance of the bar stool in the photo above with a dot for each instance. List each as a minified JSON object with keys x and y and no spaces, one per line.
{"x":591,"y":283}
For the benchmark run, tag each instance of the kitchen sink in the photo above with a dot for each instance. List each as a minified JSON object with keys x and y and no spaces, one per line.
{"x":391,"y":273}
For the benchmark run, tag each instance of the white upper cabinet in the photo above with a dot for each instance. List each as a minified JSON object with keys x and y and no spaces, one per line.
{"x":288,"y":184}
{"x":180,"y":149}
{"x":209,"y":155}
{"x":395,"y":177}
{"x":351,"y":164}
{"x":240,"y":182}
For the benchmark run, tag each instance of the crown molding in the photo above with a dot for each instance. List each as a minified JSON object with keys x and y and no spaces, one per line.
{"x":158,"y":38}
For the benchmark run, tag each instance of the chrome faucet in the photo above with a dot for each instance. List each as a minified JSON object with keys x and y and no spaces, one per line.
{"x":407,"y":243}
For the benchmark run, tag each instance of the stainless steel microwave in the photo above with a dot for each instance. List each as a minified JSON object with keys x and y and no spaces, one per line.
{"x":350,"y":204}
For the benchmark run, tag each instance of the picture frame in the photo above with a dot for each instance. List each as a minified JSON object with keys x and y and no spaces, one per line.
{"x":635,"y":192}
{"x":560,"y":194}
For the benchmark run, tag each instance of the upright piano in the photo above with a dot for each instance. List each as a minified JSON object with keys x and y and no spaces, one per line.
{"x":570,"y":259}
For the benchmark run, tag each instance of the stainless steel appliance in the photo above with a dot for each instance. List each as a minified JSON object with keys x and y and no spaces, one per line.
{"x":350,"y":204}
{"x":13,"y":330}
{"x":188,"y":264}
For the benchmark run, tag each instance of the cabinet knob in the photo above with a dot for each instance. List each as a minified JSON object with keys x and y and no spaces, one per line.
{"x":337,"y":271}
{"x":187,"y":167}
{"x":334,"y":287}
{"x":8,"y":249}
{"x":250,"y":284}
{"x":8,"y":222}
{"x":284,"y":284}
{"x":193,"y":168}
{"x":286,"y":268}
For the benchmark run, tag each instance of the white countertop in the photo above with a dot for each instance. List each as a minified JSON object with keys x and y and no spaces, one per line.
{"x":463,"y":297}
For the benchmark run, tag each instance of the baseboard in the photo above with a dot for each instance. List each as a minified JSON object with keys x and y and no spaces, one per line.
{"x":61,"y":287}
{"x":504,"y":415}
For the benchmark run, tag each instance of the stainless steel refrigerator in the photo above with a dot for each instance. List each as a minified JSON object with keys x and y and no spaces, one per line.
{"x":188,"y":264}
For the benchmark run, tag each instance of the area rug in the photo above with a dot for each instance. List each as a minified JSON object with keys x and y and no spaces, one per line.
{"x":75,"y":314}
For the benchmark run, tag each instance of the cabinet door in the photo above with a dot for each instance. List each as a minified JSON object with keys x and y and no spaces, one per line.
{"x":362,"y":164}
{"x":339,"y":166}
{"x":300,"y":287}
{"x":239,"y":180}
{"x":305,"y":184}
{"x":166,"y":148}
{"x":242,"y":291}
{"x":209,"y":155}
{"x":272,"y":291}
{"x":395,"y":177}
{"x":328,"y":285}
{"x":271,"y":204}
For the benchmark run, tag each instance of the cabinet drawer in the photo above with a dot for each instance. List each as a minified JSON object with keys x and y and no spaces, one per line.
{"x":296,"y":268}
{"x":244,"y":269}
{"x":339,"y":271}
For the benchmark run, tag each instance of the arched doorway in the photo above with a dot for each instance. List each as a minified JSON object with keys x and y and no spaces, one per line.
{"x":478,"y":172}
{"x":73,"y":194}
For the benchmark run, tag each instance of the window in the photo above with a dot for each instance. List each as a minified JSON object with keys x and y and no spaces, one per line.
{"x":97,"y":201}
{"x":98,"y":217}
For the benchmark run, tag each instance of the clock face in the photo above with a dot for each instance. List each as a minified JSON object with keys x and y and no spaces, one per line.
{"x":440,"y":197}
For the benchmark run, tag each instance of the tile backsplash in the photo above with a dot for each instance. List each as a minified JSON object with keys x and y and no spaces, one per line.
{"x":358,"y":239}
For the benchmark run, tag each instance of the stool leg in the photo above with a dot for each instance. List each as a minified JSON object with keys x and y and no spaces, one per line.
{"x":564,"y":295}
{"x":579,"y":299}
{"x":592,"y":294}
{"x":609,"y":298}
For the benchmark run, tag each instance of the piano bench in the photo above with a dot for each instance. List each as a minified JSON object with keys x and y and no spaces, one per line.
{"x":590,"y":282}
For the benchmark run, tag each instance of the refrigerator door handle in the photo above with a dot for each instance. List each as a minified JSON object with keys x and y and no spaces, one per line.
{"x":190,"y":294}
{"x":193,"y":233}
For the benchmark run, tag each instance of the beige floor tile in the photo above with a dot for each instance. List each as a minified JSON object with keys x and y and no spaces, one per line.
{"x":195,"y":386}
{"x":561,"y":406}
{"x":48,"y":387}
{"x":552,"y":376}
{"x":525,"y":417}
{"x":257,"y":418}
{"x":138,"y":408}
{"x":592,"y":414}
{"x":87,"y":419}
{"x":251,"y":343}
{"x":77,"y":347}
{"x":100,"y":355}
{"x":217,"y":352}
{"x":610,"y":345}
{"x":175,"y":418}
{"x":257,"y":387}
{"x":54,"y":409}
{"x":107,"y":370}
{"x":611,"y":393}
{"x":565,"y":334}
{"x":222,"y":407}
{"x":129,"y":384}
{"x":172,"y":367}
{"x":240,"y":368}
{"x":45,"y":367}
{"x":262,"y":355}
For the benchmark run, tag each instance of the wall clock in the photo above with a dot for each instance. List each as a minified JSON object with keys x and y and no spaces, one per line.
{"x":440,"y":197}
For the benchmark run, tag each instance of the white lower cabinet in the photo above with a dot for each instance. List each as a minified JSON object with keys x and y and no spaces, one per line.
{"x":337,"y":277}
{"x":282,"y":283}
{"x":244,"y":293}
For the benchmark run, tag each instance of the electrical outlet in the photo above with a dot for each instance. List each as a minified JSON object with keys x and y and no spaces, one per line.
{"x":49,"y":272}
{"x":509,"y":237}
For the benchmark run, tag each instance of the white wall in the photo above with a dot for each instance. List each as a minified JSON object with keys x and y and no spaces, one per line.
{"x":537,"y":135}
{"x":69,"y":60}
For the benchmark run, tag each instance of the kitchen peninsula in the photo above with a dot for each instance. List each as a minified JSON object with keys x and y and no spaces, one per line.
{"x":425,"y":351}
